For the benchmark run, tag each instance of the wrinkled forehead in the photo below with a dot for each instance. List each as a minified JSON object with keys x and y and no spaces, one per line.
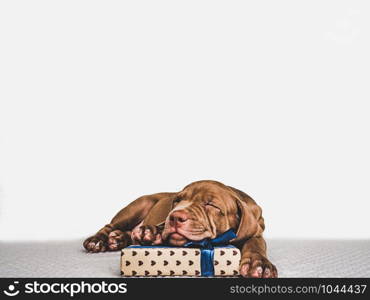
{"x":214,"y":193}
{"x":201,"y":192}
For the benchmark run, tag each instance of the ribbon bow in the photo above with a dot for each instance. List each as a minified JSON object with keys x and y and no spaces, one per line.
{"x":207,"y":250}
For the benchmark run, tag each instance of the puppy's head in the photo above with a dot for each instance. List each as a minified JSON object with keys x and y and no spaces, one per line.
{"x":206,"y":209}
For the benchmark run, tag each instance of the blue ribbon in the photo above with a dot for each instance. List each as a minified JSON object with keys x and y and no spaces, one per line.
{"x":207,"y":250}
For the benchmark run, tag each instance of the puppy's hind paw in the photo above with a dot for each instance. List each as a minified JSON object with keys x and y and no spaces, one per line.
{"x":95,"y":244}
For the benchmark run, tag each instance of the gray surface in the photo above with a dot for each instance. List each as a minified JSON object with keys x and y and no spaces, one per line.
{"x":293,"y":258}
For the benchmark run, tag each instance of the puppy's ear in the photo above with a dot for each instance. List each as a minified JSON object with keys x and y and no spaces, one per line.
{"x":175,"y":200}
{"x":160,"y":210}
{"x":251,"y":223}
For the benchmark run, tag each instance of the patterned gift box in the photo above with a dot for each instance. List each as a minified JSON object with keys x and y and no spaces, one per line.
{"x":175,"y":261}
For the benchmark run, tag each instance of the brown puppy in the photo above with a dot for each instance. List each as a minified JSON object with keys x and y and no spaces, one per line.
{"x":203,"y":209}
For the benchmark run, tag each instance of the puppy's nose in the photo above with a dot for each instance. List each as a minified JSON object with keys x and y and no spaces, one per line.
{"x":178,"y":217}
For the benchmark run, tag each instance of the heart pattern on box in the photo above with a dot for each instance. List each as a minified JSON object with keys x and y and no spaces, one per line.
{"x":176,"y":262}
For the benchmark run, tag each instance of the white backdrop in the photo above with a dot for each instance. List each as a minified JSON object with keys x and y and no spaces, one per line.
{"x":102,"y":102}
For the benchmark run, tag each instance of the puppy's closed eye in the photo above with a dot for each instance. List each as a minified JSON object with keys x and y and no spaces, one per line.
{"x":211,"y":205}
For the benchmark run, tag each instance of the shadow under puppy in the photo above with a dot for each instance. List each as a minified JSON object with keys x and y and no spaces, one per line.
{"x":203,"y":209}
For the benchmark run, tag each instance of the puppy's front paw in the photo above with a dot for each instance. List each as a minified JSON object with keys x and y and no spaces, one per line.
{"x":146,"y":235}
{"x":257,"y":266}
{"x":95,"y":244}
{"x":117,"y":240}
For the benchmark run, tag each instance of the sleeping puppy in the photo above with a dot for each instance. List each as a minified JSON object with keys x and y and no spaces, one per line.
{"x":203,"y":209}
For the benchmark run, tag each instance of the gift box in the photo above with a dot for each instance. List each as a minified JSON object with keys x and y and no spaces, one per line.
{"x":205,"y":258}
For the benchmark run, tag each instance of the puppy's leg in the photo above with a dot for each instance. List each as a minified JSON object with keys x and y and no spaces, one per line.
{"x":125,"y":220}
{"x":254,"y":262}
